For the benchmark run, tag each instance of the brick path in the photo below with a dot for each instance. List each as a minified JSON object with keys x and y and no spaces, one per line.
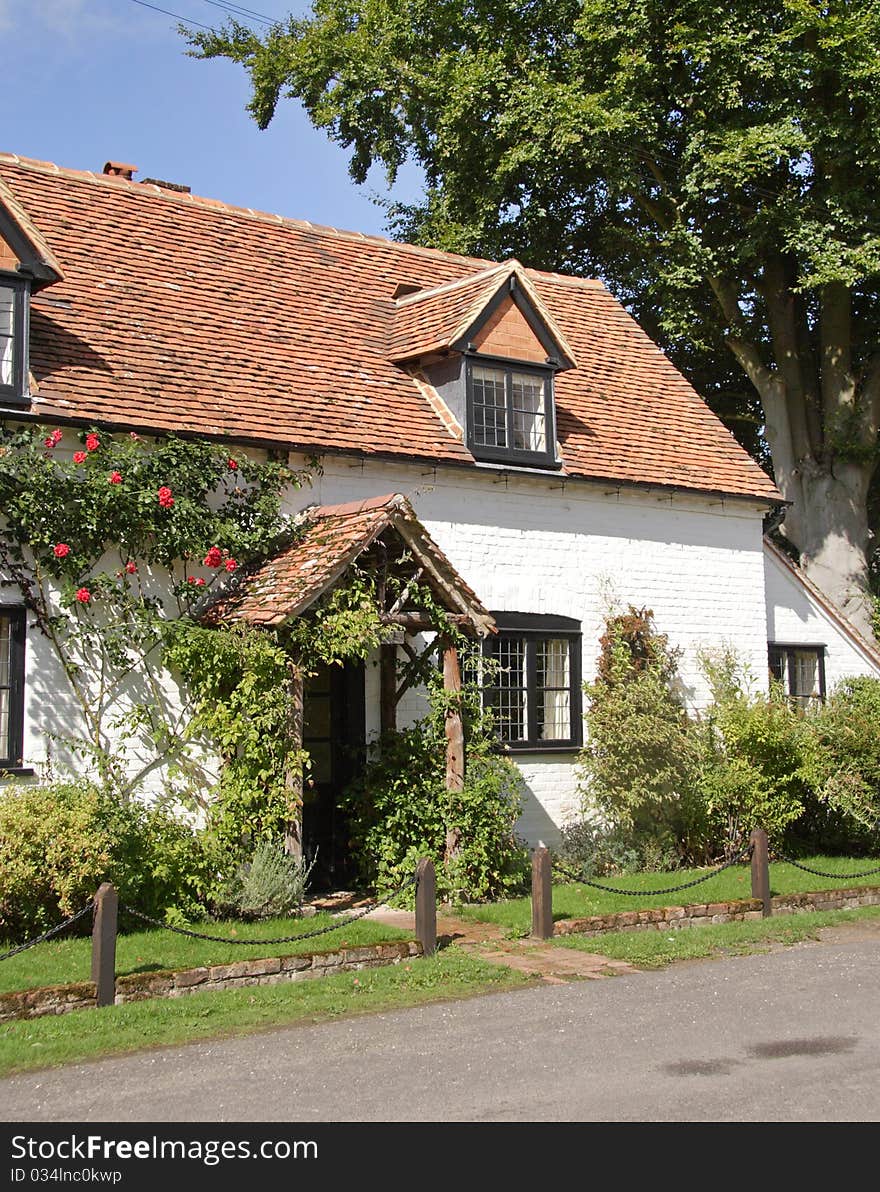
{"x":537,"y":958}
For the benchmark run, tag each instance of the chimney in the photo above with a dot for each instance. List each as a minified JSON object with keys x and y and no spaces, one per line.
{"x":119,"y":169}
{"x":175,"y":186}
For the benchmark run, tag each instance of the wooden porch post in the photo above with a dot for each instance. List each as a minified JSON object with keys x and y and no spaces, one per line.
{"x":454,"y":737}
{"x":294,"y":775}
{"x":388,"y":688}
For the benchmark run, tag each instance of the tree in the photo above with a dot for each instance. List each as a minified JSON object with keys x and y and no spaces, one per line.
{"x":714,"y":162}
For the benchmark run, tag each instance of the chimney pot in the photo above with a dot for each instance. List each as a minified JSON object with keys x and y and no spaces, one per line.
{"x":119,"y":169}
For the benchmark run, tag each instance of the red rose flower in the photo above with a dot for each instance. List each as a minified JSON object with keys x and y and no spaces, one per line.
{"x":197,"y":580}
{"x":83,"y":595}
{"x":232,"y":464}
{"x":92,"y":442}
{"x":214,"y":557}
{"x":79,"y":457}
{"x":61,"y":550}
{"x":135,"y":438}
{"x":230,"y":564}
{"x":165,"y":498}
{"x":53,"y":440}
{"x":131,"y":567}
{"x":114,"y":478}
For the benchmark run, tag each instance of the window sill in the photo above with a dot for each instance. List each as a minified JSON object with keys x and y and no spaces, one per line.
{"x":16,"y":772}
{"x":519,"y":750}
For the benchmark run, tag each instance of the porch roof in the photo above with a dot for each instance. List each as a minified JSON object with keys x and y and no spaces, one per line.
{"x":333,"y":538}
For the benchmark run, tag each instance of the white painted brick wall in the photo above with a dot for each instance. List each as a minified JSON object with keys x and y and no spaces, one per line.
{"x":795,"y":617}
{"x":525,"y":544}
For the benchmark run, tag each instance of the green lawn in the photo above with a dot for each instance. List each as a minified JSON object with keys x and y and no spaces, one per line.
{"x":89,"y":1034}
{"x":62,"y":960}
{"x":654,"y":949}
{"x":576,"y":900}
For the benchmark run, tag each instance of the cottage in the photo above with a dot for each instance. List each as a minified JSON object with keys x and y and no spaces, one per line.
{"x":540,"y":457}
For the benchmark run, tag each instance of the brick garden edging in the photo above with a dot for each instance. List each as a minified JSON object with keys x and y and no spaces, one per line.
{"x":135,"y":987}
{"x":744,"y":909}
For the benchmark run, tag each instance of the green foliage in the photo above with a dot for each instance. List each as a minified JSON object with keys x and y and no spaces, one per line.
{"x":639,"y":761}
{"x":59,"y":842}
{"x":842,"y":767}
{"x":592,"y":849}
{"x":400,"y":809}
{"x":752,"y":752}
{"x":268,"y":884}
{"x":107,"y":545}
{"x":714,"y":162}
{"x":240,"y":680}
{"x":343,"y":626}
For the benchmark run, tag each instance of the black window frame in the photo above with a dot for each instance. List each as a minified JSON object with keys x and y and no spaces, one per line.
{"x":534,"y":628}
{"x":780,"y":655}
{"x":510,"y":454}
{"x":16,"y":615}
{"x":17,"y":393}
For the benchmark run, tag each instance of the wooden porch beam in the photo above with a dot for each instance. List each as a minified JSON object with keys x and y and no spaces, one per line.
{"x":415,"y":621}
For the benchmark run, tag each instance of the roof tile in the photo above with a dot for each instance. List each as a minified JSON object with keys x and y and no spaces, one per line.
{"x":185,"y":314}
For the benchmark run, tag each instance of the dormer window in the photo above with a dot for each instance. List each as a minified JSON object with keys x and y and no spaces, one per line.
{"x":510,"y":413}
{"x":490,"y":350}
{"x":13,"y":341}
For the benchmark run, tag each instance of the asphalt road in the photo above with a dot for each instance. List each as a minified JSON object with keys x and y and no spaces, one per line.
{"x":793,"y":1035}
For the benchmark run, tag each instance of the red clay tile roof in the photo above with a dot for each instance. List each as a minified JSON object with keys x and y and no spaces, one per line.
{"x":41,"y":249}
{"x":185,"y":314}
{"x":334,"y":537}
{"x":437,"y":318}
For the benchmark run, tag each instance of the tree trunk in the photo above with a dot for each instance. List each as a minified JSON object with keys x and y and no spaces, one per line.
{"x":828,"y":525}
{"x":820,"y":419}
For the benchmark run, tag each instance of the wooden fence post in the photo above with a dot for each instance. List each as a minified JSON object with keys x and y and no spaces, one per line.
{"x":426,"y":905}
{"x":761,"y":869}
{"x":542,"y":895}
{"x":104,"y":944}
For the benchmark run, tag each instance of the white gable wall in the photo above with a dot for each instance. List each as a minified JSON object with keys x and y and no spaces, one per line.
{"x":526,"y":544}
{"x":795,"y":616}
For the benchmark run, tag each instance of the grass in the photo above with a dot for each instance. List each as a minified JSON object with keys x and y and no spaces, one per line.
{"x":62,"y":960}
{"x":575,"y":900}
{"x":650,"y":949}
{"x":90,"y":1034}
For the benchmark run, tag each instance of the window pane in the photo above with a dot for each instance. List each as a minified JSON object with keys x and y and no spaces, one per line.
{"x":805,"y":675}
{"x":527,"y":393}
{"x":553,"y":689}
{"x":4,"y":723}
{"x":490,"y":407}
{"x":7,"y":330}
{"x":507,"y":695}
{"x":4,"y":651}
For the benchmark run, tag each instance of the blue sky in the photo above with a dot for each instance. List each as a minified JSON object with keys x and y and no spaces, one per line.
{"x":84,"y":81}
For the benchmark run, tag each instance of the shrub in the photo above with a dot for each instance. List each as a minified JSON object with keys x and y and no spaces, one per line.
{"x":59,"y":842}
{"x":267,"y":884}
{"x":639,"y":763}
{"x":842,"y":766}
{"x":591,"y":849}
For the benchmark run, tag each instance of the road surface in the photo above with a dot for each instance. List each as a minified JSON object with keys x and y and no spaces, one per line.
{"x":793,"y":1035}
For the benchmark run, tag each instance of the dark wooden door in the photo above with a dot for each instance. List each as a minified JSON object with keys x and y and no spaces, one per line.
{"x":334,"y":736}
